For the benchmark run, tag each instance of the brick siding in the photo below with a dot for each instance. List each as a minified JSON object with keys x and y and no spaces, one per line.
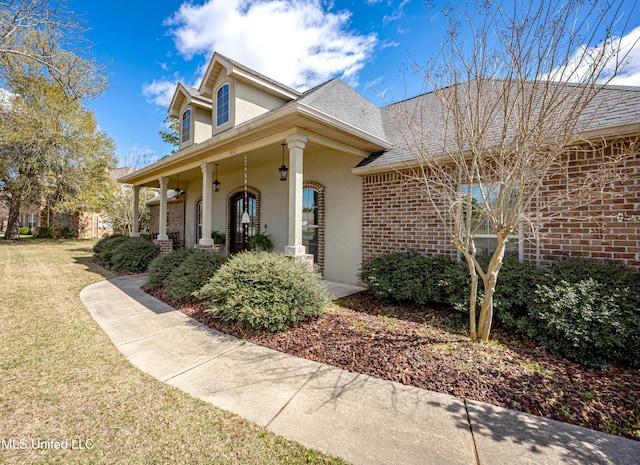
{"x":397,"y":216}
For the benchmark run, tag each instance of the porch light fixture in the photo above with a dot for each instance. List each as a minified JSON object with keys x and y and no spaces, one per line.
{"x":178,"y":192}
{"x":216,"y":183}
{"x":283,"y":169}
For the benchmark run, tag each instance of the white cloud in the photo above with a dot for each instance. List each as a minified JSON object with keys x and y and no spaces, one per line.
{"x":159,"y":92}
{"x":625,"y":49}
{"x":630,"y":74}
{"x":295,"y":42}
{"x":397,"y":14}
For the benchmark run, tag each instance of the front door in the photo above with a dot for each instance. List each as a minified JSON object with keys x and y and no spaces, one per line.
{"x":239,"y":235}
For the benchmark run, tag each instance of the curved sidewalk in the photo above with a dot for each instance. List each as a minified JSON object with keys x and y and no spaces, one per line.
{"x":362,"y":419}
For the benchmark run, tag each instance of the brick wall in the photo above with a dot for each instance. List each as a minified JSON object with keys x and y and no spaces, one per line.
{"x":398,"y":216}
{"x":176,"y":218}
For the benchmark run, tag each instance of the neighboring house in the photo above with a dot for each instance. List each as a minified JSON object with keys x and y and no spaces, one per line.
{"x":344,"y":198}
{"x":82,"y":224}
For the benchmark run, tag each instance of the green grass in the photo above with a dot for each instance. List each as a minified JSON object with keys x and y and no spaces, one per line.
{"x":61,"y":378}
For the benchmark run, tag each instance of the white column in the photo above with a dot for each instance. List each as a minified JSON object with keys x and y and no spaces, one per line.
{"x":135,"y":229}
{"x":296,"y":144}
{"x":207,"y":203}
{"x":162,"y":235}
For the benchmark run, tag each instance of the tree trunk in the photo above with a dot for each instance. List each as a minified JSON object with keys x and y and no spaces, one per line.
{"x":473,"y":297}
{"x":490,"y":280}
{"x":12,"y":232}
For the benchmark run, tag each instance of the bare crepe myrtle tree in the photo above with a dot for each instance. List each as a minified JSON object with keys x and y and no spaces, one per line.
{"x":514,"y":89}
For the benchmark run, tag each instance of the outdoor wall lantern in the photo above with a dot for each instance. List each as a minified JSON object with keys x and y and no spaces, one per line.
{"x":216,"y":183}
{"x":283,"y":169}
{"x":177,"y":191}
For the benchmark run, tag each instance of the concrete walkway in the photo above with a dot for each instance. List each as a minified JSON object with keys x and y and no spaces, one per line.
{"x":362,"y":419}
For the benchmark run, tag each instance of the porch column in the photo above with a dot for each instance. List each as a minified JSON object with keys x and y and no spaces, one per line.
{"x":207,"y":203}
{"x":162,"y":232}
{"x":135,"y":229}
{"x":296,"y":144}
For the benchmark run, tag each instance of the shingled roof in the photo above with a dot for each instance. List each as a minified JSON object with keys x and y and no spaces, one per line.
{"x":613,"y":108}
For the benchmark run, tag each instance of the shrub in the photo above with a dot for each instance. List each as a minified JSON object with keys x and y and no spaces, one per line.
{"x":161,"y":267}
{"x":264,"y":291}
{"x":406,"y":277}
{"x":24,"y":231}
{"x":103,"y":250}
{"x":45,"y":232}
{"x":195,"y":270}
{"x":133,"y":254}
{"x":588,"y":311}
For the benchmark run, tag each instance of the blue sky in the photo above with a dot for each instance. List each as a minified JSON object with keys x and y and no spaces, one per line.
{"x":149,"y":46}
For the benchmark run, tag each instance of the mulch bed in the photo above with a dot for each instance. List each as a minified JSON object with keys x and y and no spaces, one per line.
{"x":418,"y":346}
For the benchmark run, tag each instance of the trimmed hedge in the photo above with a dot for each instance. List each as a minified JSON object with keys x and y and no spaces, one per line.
{"x":264,"y":291}
{"x":24,"y":231}
{"x":104,"y":248}
{"x":409,"y":277}
{"x":581,"y":309}
{"x":133,"y":254}
{"x":587,"y":311}
{"x":163,"y":265}
{"x":194,"y":271}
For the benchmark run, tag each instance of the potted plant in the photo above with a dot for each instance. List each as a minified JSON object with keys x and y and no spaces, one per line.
{"x":260,"y":241}
{"x":218,"y":237}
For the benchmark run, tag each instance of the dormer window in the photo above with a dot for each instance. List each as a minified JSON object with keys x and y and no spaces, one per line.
{"x":222,"y":105}
{"x":186,"y":126}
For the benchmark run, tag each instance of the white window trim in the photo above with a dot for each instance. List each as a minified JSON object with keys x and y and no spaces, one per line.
{"x":184,"y":141}
{"x":517,"y":237}
{"x":228,"y":104}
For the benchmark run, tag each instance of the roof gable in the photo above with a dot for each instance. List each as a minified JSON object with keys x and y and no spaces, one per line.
{"x":223,"y":66}
{"x":190,"y":96}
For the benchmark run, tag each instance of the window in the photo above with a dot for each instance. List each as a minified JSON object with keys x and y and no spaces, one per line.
{"x":310,"y":222}
{"x":32,"y":220}
{"x":222,"y":107}
{"x":484,"y":236}
{"x":186,"y":126}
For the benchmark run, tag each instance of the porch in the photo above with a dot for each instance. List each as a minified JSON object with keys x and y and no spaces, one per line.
{"x":312,"y":213}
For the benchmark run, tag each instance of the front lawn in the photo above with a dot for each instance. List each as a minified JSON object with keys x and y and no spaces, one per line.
{"x":61,"y":379}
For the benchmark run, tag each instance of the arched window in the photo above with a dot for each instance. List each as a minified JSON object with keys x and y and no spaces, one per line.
{"x":222,"y":105}
{"x":186,"y":126}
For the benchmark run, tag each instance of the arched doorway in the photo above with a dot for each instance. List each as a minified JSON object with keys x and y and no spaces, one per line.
{"x":239,"y":236}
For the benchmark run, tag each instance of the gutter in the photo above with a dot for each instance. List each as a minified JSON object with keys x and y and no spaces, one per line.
{"x":613,"y":132}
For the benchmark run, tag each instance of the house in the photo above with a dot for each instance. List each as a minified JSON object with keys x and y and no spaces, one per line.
{"x":320,"y":172}
{"x":81,"y":223}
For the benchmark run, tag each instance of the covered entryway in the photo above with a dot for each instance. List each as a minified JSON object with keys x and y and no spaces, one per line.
{"x":238,"y":234}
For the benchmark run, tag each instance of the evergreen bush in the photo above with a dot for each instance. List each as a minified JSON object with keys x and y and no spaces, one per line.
{"x":163,"y":265}
{"x":406,"y":277}
{"x":133,"y":254}
{"x":588,"y":311}
{"x":264,"y":291}
{"x":194,"y":271}
{"x":103,"y":250}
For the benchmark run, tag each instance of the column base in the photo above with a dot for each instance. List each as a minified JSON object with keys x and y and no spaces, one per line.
{"x":295,"y":250}
{"x":166,"y":246}
{"x":207,"y":247}
{"x":135,"y":234}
